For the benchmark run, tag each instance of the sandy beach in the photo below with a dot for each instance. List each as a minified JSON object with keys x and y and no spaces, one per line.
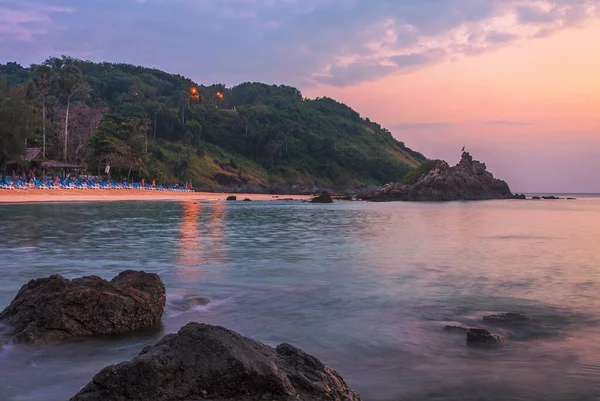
{"x":90,"y":195}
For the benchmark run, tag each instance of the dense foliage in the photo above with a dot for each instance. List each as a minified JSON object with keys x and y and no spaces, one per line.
{"x":102,"y":113}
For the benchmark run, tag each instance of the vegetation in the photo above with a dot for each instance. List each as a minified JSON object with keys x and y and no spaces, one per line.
{"x":424,"y":169}
{"x":147,"y":123}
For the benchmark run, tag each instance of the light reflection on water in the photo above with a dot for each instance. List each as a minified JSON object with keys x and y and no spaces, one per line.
{"x":365,"y":287}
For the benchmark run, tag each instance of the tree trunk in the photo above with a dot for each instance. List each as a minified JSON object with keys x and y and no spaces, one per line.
{"x":155,"y":125}
{"x":66,"y":128}
{"x":44,"y":124}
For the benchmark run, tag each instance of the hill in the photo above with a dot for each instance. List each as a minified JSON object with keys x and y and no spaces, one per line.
{"x":148,"y":123}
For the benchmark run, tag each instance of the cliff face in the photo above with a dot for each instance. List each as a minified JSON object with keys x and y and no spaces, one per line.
{"x":468,"y":180}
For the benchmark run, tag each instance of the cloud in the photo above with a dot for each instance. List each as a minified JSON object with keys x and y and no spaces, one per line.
{"x":421,"y":126}
{"x":303,"y":43}
{"x":507,"y":123}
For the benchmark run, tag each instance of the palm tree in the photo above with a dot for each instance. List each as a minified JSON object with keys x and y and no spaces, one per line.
{"x":70,"y":82}
{"x":42,"y":78}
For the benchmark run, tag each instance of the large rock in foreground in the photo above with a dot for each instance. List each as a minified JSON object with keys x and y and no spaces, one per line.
{"x":203,"y":362}
{"x":55,"y":308}
{"x":468,"y":180}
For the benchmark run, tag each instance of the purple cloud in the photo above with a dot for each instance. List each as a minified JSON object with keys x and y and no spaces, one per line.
{"x":276,"y":41}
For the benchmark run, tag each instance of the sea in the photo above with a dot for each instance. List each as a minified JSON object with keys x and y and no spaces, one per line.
{"x":366,"y":287}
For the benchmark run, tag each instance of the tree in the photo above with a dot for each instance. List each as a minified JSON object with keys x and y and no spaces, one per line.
{"x":70,"y":82}
{"x":43,"y":77}
{"x":16,"y":115}
{"x":119,"y":142}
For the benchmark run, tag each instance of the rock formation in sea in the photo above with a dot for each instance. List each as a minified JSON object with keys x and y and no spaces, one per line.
{"x":482,"y":337}
{"x":203,"y":362}
{"x":325,"y":197}
{"x":468,"y":180}
{"x":55,"y":308}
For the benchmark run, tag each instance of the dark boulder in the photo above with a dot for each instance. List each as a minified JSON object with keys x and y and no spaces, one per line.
{"x":325,"y":197}
{"x":468,"y":180}
{"x":343,"y":197}
{"x":203,"y":362}
{"x":247,"y":200}
{"x":536,"y":198}
{"x":55,"y":308}
{"x":505,"y":318}
{"x":519,"y":196}
{"x":232,"y":198}
{"x":551,"y":197}
{"x":482,"y":337}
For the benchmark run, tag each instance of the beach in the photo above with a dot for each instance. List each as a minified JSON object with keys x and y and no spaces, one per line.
{"x":33,"y":195}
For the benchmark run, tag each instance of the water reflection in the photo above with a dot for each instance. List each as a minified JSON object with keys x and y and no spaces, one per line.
{"x":217,"y":230}
{"x":201,"y":239}
{"x":190,"y":253}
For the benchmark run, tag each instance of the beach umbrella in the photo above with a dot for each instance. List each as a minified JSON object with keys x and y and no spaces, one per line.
{"x":153,"y":183}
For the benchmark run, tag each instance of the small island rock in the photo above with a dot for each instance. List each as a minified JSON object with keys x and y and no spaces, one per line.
{"x":54,"y":308}
{"x":204,"y":362}
{"x":231,"y":198}
{"x":468,"y":180}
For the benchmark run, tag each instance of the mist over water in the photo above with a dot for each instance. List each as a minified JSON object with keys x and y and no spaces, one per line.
{"x":367,"y":288}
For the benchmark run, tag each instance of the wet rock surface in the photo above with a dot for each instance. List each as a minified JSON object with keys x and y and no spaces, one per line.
{"x":231,"y":198}
{"x":204,"y":362}
{"x":55,"y":308}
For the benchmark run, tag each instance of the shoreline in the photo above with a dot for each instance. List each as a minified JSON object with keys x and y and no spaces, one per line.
{"x":16,"y":196}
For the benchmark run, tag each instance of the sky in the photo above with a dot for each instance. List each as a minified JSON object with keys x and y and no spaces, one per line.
{"x":515,"y":81}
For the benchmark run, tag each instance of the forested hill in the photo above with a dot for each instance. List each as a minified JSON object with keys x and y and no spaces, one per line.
{"x":148,"y":123}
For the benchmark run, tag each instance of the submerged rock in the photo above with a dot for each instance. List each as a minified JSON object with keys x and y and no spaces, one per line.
{"x":325,"y":197}
{"x":482,"y":337}
{"x":203,"y":362}
{"x":456,"y":328}
{"x":231,"y":198}
{"x":55,"y":308}
{"x":505,"y":318}
{"x":247,"y":200}
{"x":468,"y":180}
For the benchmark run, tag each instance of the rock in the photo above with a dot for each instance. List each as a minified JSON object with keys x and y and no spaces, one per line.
{"x":55,"y":308}
{"x":550,"y":197}
{"x":505,"y":318}
{"x":482,"y":337}
{"x":571,"y":198}
{"x":247,"y":200}
{"x":519,"y":196}
{"x":456,"y":328}
{"x":344,"y":197}
{"x":325,"y":197}
{"x":536,"y":198}
{"x":232,"y":198}
{"x":203,"y":362}
{"x":468,"y":180}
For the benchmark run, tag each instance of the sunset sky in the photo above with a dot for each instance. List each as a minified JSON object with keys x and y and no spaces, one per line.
{"x":517,"y":82}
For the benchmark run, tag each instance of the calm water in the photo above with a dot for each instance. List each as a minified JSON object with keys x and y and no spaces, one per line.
{"x":365,"y":287}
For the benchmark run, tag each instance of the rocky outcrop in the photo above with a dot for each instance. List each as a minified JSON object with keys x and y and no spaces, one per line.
{"x":55,"y":308}
{"x":325,"y":197}
{"x":468,"y":180}
{"x":203,"y":362}
{"x":231,"y":198}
